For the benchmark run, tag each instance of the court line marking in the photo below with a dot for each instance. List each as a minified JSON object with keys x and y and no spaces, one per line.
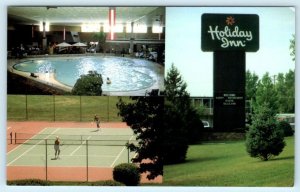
{"x":118,"y":156}
{"x":31,"y":148}
{"x":79,"y":146}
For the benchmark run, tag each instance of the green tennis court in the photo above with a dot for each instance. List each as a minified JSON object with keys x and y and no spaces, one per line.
{"x":80,"y":147}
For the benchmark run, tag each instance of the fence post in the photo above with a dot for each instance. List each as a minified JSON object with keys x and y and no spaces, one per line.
{"x":46,"y":159}
{"x":80,"y":109}
{"x":128,"y":153}
{"x":54,"y":107}
{"x":87,"y":161}
{"x":26,"y":106}
{"x":108,"y":108}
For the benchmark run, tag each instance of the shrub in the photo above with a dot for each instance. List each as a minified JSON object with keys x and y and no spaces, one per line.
{"x":127,"y":173}
{"x":264,"y":138}
{"x":89,"y":84}
{"x":106,"y":183}
{"x":286,"y":128}
{"x":32,"y":182}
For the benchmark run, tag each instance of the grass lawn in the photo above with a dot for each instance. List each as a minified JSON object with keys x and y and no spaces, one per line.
{"x":228,"y":164}
{"x":62,"y":108}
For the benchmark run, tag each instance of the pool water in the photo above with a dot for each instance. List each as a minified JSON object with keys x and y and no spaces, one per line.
{"x":126,"y":74}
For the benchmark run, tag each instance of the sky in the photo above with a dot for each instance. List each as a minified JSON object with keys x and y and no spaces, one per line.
{"x":183,"y":44}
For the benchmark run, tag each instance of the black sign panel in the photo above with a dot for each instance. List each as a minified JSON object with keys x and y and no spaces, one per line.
{"x":229,"y":90}
{"x":233,"y":32}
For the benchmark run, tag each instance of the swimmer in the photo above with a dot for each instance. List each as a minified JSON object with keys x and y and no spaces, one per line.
{"x":108,"y":81}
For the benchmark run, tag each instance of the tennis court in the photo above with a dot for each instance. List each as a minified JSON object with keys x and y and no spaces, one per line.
{"x":86,"y":153}
{"x":104,"y":148}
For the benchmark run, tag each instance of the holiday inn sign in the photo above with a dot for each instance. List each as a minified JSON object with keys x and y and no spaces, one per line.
{"x":234,"y":32}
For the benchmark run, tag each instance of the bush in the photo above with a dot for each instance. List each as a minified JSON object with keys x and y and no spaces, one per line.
{"x":31,"y":182}
{"x":286,"y":127}
{"x":106,"y":183}
{"x":127,"y":173}
{"x":89,"y":84}
{"x":264,"y":138}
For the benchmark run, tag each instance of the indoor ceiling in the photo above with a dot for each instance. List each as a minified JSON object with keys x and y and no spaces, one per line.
{"x":79,"y":15}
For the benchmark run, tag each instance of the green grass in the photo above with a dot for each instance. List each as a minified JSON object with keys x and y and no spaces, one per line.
{"x":228,"y":164}
{"x":62,"y":108}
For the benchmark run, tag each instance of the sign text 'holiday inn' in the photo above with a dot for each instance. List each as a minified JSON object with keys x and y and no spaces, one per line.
{"x":230,"y":32}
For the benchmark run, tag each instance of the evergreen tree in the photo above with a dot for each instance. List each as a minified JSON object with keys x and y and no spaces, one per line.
{"x":89,"y":84}
{"x":264,"y":139}
{"x":182,"y":122}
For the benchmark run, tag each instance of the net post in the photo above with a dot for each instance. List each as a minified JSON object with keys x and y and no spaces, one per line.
{"x":87,"y":161}
{"x":128,"y":155}
{"x":128,"y":152}
{"x":11,"y":138}
{"x":46,"y":144}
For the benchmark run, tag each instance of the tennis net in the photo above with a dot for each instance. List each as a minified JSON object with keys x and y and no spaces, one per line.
{"x":104,"y":140}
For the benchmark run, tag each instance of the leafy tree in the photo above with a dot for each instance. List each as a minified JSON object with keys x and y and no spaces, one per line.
{"x":281,"y":92}
{"x":290,"y":93}
{"x":264,"y":139}
{"x":266,"y":94}
{"x":101,"y":39}
{"x":145,"y":116}
{"x":293,"y":48}
{"x":251,"y":85}
{"x":89,"y":84}
{"x":285,"y":87}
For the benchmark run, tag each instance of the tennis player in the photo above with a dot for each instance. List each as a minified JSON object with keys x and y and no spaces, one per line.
{"x":56,"y":147}
{"x":97,"y":120}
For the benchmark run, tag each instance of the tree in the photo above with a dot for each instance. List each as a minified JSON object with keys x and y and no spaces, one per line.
{"x":145,"y":117}
{"x":293,"y":48}
{"x":182,"y":122}
{"x":251,"y":88}
{"x":285,"y":87}
{"x":266,"y":94}
{"x":281,"y":92}
{"x":290,"y":92}
{"x":89,"y":84}
{"x":251,"y":85}
{"x":101,"y":39}
{"x":264,"y":139}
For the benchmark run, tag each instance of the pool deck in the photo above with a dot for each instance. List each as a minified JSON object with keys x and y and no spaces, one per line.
{"x":49,"y":78}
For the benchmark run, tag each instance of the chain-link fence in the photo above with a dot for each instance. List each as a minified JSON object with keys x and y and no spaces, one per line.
{"x":78,"y":157}
{"x":62,"y":108}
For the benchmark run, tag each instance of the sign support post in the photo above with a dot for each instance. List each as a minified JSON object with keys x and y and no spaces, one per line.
{"x":229,"y":37}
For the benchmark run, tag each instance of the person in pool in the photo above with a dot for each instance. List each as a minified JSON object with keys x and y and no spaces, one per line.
{"x":108,"y":81}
